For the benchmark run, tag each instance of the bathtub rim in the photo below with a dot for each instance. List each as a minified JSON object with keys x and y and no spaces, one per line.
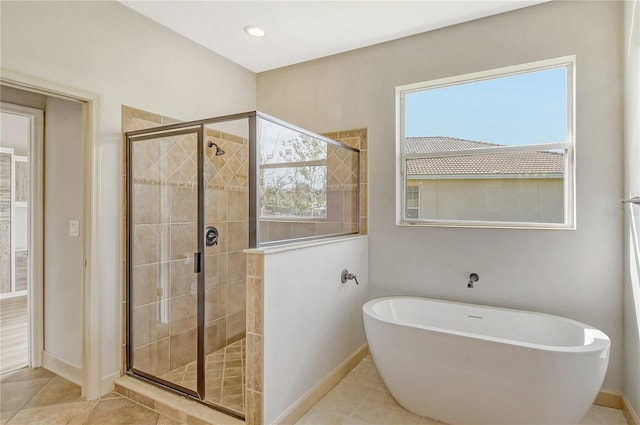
{"x":598,"y":343}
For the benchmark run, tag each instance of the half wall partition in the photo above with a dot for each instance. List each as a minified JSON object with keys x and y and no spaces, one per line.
{"x":198,"y":194}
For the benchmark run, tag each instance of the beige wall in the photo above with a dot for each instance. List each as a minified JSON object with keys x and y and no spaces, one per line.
{"x":15,"y":132}
{"x":21,"y":97}
{"x":106,"y":48}
{"x":577,"y":274}
{"x":63,"y":253}
{"x":519,"y":200}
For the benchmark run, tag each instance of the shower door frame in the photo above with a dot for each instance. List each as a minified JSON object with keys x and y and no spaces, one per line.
{"x":131,"y":139}
{"x":199,"y":128}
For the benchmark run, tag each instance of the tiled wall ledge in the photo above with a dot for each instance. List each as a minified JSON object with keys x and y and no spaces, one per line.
{"x":302,"y":245}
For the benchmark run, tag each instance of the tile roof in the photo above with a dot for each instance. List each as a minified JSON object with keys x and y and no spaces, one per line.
{"x":505,"y":163}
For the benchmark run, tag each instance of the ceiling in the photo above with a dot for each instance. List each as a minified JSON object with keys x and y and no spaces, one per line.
{"x":298,"y":31}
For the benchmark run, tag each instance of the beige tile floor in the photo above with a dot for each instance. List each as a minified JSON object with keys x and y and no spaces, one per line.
{"x":40,"y":397}
{"x":362,"y":398}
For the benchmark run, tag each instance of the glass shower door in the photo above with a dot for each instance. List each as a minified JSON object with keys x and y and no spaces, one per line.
{"x":164,"y":247}
{"x":226,"y":169}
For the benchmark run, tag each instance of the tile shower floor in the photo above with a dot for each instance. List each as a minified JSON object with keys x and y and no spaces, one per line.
{"x":362,"y":398}
{"x":225,"y":377}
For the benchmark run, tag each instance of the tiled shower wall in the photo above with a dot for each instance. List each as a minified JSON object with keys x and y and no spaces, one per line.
{"x":341,"y":185}
{"x":165,"y":238}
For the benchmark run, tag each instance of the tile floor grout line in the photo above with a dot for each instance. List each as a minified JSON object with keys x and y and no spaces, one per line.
{"x":11,"y":417}
{"x":89,"y":413}
{"x":41,"y":390}
{"x":359,"y":404}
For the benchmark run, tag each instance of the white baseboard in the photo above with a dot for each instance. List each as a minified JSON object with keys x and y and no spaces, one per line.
{"x":630,"y":414}
{"x":311,"y":397}
{"x":62,"y":367}
{"x":107,"y":383}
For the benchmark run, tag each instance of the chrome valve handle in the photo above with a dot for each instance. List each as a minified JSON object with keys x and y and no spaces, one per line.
{"x":348,"y":276}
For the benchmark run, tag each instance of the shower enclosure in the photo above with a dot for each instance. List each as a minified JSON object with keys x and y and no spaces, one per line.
{"x":198,"y":194}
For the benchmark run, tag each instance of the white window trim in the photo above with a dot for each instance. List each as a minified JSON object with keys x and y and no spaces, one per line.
{"x":569,"y":146}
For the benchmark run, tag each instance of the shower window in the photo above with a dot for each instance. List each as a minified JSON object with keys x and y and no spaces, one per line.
{"x":308,"y":185}
{"x":293,"y":174}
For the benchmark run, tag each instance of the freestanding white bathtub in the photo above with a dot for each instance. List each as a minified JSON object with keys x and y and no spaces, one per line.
{"x":471,"y":364}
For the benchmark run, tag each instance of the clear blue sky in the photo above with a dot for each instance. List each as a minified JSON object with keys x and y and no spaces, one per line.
{"x":522,"y":109}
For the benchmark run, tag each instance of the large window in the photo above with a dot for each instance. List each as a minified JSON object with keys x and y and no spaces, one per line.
{"x":489,"y":149}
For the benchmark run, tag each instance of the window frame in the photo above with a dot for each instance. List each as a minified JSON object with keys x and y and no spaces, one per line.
{"x":417,"y":207}
{"x":568,"y":146}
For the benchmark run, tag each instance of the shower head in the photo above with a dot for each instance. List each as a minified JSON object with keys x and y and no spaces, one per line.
{"x":219,"y":152}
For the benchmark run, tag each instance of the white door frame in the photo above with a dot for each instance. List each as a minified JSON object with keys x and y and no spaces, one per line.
{"x":35,"y":228}
{"x":91,"y":365}
{"x":631,"y":298}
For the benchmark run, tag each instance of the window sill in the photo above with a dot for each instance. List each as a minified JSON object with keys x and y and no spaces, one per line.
{"x":487,"y":225}
{"x":291,"y":246}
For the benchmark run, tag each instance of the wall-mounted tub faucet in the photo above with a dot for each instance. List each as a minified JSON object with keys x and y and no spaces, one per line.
{"x":473,"y":277}
{"x":348,"y":276}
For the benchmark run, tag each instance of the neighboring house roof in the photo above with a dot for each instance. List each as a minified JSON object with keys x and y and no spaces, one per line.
{"x":506,"y":163}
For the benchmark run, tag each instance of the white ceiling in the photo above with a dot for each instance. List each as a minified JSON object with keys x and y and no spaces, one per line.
{"x":299,"y":31}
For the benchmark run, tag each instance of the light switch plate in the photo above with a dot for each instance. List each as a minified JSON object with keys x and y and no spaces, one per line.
{"x":73,"y":227}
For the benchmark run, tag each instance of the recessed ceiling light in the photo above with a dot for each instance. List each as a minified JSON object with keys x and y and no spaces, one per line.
{"x":254,"y":31}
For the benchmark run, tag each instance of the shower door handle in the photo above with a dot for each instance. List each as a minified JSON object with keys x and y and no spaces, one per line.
{"x":197,"y":266}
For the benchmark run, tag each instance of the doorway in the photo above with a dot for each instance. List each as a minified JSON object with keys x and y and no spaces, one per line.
{"x":87,"y":369}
